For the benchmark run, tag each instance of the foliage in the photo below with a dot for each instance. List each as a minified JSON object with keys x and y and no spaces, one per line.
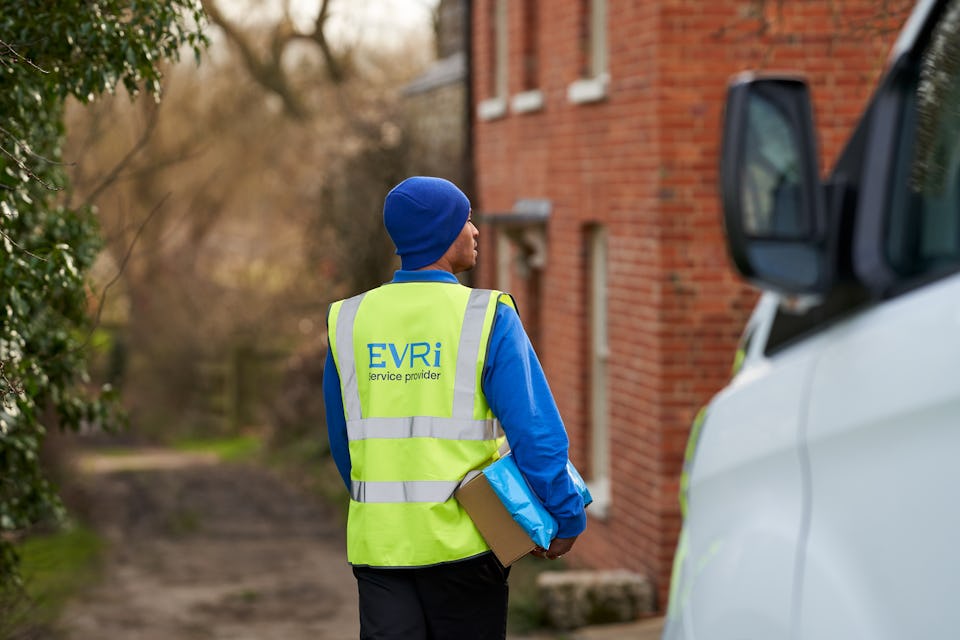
{"x":220,"y":311}
{"x":206,"y":304}
{"x":50,"y":51}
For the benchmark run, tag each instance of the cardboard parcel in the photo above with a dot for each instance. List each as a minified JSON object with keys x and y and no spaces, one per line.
{"x":507,"y":512}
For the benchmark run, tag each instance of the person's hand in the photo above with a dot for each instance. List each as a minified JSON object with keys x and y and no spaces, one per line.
{"x":558,"y":548}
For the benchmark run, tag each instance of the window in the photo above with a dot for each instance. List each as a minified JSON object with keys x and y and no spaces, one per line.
{"x":599,"y":480}
{"x":595,"y":75}
{"x":531,"y":60}
{"x":496,"y":105}
{"x":531,"y":98}
{"x":923,"y":233}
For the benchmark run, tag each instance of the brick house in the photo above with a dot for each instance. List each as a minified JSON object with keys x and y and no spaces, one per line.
{"x":434,"y":103}
{"x":596,"y":127}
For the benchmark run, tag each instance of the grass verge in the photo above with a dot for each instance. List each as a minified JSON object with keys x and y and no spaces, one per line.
{"x":243,"y":448}
{"x":54,"y":567}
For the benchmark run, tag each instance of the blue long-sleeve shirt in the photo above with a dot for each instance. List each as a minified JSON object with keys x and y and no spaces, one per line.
{"x":519,"y":396}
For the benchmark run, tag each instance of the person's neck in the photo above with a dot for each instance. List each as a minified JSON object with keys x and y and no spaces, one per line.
{"x":439,"y":265}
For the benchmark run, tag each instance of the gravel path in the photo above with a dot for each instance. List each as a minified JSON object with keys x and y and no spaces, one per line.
{"x":203,"y":550}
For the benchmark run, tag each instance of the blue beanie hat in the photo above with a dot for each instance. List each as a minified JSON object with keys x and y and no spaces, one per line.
{"x":423,"y":217}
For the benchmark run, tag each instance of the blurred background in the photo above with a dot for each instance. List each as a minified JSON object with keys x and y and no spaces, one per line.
{"x":235,"y":209}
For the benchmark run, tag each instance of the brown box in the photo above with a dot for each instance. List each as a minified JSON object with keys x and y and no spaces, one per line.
{"x":507,"y":538}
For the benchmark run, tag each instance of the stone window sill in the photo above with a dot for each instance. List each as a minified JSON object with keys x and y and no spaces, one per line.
{"x":527,"y":101}
{"x":492,"y":108}
{"x":587,"y":90}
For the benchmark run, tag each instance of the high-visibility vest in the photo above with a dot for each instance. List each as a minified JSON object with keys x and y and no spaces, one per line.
{"x":410,"y":358}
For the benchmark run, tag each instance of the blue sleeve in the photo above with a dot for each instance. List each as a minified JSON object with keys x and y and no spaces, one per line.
{"x":336,"y":423}
{"x":517,"y":392}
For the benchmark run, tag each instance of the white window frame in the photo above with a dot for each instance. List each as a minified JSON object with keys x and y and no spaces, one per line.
{"x":600,"y":468}
{"x":496,"y":105}
{"x":531,"y":98}
{"x":594,"y":87}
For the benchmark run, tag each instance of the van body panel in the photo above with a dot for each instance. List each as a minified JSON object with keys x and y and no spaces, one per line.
{"x":746,"y":507}
{"x":883,"y":432}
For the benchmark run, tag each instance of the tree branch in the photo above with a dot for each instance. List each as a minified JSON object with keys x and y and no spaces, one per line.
{"x":7,"y":237}
{"x":9,"y":387}
{"x":334,"y":69}
{"x":6,"y":48}
{"x":268,"y":73}
{"x":138,"y":146}
{"x":23,"y":167}
{"x":267,"y":68}
{"x":121,"y":268}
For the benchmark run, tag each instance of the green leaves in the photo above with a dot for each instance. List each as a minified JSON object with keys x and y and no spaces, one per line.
{"x":90,"y":47}
{"x":48,"y":52}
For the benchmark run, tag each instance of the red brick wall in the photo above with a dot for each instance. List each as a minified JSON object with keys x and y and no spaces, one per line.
{"x":643,"y":162}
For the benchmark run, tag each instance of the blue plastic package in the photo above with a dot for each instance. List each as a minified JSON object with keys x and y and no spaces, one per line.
{"x":512,"y":489}
{"x":508,"y":483}
{"x":579,"y":484}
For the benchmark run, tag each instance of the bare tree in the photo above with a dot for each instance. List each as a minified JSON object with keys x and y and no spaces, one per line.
{"x":271,"y":197}
{"x":266,"y":63}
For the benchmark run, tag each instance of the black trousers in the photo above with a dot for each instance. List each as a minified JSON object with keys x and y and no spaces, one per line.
{"x":465,"y":600}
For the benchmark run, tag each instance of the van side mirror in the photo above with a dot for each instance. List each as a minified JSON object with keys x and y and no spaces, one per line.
{"x":774,"y":210}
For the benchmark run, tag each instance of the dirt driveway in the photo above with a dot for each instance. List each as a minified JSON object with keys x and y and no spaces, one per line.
{"x":200,"y":549}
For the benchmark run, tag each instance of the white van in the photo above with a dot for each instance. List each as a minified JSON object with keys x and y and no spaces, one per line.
{"x":821,"y":486}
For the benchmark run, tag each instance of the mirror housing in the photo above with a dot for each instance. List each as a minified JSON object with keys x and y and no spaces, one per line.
{"x":774,"y":209}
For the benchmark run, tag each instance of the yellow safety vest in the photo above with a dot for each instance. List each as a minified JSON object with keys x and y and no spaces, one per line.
{"x":410,"y":358}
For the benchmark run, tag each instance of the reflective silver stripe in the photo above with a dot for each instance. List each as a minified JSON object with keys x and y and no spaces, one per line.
{"x":468,"y":353}
{"x":403,"y":491}
{"x":348,"y":369}
{"x":423,"y":427}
